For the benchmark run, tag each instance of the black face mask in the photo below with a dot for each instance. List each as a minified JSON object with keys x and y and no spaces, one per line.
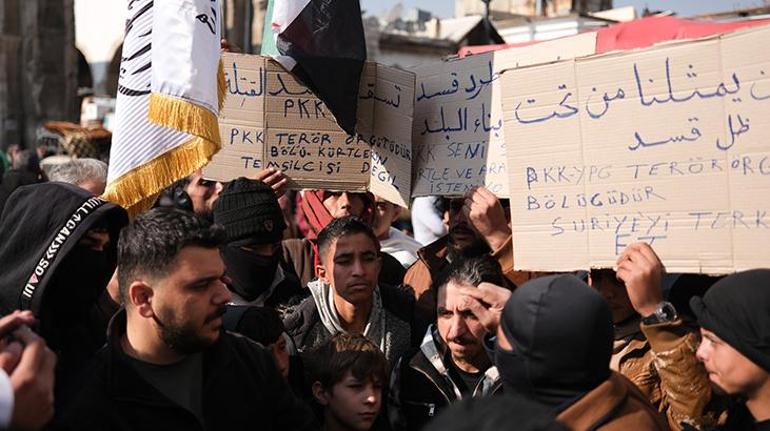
{"x":521,"y":375}
{"x":77,"y":283}
{"x":250,"y":273}
{"x":513,"y":370}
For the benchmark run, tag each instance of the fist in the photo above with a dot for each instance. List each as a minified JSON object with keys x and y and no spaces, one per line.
{"x":483,"y":210}
{"x":640,"y":269}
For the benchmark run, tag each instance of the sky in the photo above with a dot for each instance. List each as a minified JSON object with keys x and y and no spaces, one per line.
{"x":683,"y":8}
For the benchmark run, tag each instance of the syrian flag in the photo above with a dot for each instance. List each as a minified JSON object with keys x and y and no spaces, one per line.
{"x":322,"y":43}
{"x":170,"y":90}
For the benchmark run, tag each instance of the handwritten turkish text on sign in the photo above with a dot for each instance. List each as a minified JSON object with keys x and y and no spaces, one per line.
{"x":669,"y":145}
{"x":458,"y":128}
{"x":271,"y":120}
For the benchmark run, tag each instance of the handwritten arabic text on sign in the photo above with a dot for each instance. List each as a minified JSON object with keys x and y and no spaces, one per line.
{"x":670,"y":146}
{"x":458,"y":129}
{"x":271,"y":120}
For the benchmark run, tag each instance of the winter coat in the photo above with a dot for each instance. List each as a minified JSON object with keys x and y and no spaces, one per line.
{"x":307,"y":330}
{"x":421,"y":386}
{"x":660,"y":360}
{"x":614,"y":405}
{"x":242,"y":389}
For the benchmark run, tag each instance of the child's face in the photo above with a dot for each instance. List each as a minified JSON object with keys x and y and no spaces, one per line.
{"x":355,"y":403}
{"x":281,"y":356}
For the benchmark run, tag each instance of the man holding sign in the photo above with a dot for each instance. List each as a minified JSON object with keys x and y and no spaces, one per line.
{"x":478,"y":225}
{"x":648,"y":328}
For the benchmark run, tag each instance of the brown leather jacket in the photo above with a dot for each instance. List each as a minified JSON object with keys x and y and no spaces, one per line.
{"x":661,"y":361}
{"x":615,"y":405}
{"x":432,"y":260}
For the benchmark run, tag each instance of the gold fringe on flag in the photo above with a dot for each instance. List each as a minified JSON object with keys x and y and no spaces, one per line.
{"x":138,"y":189}
{"x":185,"y":116}
{"x":221,"y":85}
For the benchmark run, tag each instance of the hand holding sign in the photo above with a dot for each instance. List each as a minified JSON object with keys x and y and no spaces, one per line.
{"x":483,"y":210}
{"x":273,"y":178}
{"x":641,"y":271}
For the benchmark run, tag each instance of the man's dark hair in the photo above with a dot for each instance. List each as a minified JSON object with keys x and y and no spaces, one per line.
{"x":151,"y":242}
{"x":473,"y":271}
{"x":347,"y":352}
{"x":340,"y":227}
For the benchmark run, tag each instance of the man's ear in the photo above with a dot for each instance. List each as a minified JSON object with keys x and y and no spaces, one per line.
{"x":320,"y":394}
{"x":320,"y":270}
{"x":140,"y":296}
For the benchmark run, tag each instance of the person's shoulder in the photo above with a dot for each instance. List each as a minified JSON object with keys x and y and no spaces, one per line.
{"x":301,"y":318}
{"x":246,"y":349}
{"x":398,"y":300}
{"x":92,"y":403}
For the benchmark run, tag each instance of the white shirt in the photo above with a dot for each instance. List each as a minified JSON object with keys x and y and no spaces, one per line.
{"x":427,"y":223}
{"x":6,"y":400}
{"x":401,"y":246}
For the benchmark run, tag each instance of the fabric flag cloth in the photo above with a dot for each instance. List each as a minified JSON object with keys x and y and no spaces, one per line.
{"x":170,"y":90}
{"x":322,"y":43}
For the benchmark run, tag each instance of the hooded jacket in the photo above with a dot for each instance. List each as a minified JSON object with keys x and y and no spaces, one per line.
{"x":561,"y":333}
{"x":46,"y":271}
{"x":421,"y":385}
{"x":313,"y":321}
{"x":40,"y":227}
{"x":14,"y":179}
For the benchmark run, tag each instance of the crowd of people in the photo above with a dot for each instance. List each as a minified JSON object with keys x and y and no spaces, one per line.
{"x":247,"y":306}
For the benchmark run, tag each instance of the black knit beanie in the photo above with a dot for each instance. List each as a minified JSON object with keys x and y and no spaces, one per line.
{"x":737,"y":309}
{"x":249,"y":211}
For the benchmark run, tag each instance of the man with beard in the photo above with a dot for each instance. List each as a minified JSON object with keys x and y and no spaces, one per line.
{"x":58,"y":246}
{"x":478,"y":225}
{"x":735,"y":324}
{"x":167,"y":364}
{"x":258,"y":275}
{"x":451,"y":363}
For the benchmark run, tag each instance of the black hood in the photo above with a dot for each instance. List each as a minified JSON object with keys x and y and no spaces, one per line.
{"x":561,"y":333}
{"x":39,"y":227}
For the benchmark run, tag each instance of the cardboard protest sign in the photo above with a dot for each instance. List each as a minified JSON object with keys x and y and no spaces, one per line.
{"x":458,"y":129}
{"x":668,"y":145}
{"x":271,"y":120}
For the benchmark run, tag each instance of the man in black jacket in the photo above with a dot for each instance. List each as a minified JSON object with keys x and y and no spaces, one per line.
{"x":167,"y":364}
{"x":451,"y":363}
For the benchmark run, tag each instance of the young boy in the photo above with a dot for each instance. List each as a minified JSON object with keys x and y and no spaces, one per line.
{"x":348,"y":375}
